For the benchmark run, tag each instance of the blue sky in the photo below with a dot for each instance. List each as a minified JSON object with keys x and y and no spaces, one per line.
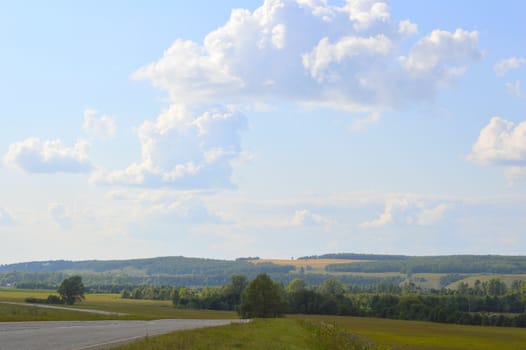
{"x":276,"y":129}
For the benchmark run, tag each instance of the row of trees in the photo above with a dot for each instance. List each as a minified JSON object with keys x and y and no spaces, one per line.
{"x":484,"y":303}
{"x":264,"y":297}
{"x":492,"y":287}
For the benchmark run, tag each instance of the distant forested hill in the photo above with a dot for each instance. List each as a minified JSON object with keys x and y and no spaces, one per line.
{"x":366,"y":270}
{"x":496,"y":264}
{"x":159,"y":271}
{"x":173,"y":265}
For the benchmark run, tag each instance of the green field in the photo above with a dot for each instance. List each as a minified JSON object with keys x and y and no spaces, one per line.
{"x":292,"y":332}
{"x":426,"y":335}
{"x":307,"y":332}
{"x":137,"y":309}
{"x":260,"y":334}
{"x":16,"y":313}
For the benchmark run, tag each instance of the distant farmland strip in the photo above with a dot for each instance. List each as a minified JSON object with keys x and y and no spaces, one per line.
{"x":314,"y":263}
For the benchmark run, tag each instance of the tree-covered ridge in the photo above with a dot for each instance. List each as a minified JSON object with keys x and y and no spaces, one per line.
{"x":369,"y":269}
{"x":439,"y":264}
{"x":172,"y":265}
{"x":112,"y":275}
{"x":178,"y":265}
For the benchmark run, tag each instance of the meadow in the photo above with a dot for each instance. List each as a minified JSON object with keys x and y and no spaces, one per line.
{"x":260,"y":334}
{"x":324,"y":332}
{"x":136,"y":309}
{"x":412,"y":335}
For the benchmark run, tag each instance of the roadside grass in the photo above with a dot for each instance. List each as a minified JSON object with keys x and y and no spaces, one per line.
{"x":260,"y":334}
{"x":136,"y":309}
{"x":412,"y":335}
{"x":326,"y":332}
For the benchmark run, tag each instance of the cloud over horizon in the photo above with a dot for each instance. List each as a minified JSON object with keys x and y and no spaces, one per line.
{"x":408,"y":210}
{"x":102,"y":126}
{"x":36,"y":156}
{"x":6,"y":218}
{"x":183,"y":148}
{"x":307,"y":218}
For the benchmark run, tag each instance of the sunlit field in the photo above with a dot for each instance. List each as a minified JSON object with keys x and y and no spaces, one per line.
{"x":427,"y":335}
{"x":136,"y":309}
{"x":314,"y":263}
{"x":260,"y":334}
{"x":322,"y":332}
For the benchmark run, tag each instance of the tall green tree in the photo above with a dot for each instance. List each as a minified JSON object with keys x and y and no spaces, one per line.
{"x":262,"y":298}
{"x":72,"y":290}
{"x":232,"y":291}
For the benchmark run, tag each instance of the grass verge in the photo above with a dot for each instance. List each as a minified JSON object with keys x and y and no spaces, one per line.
{"x":260,"y":334}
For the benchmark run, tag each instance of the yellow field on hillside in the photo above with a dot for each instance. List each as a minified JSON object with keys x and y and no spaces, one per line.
{"x":314,"y":263}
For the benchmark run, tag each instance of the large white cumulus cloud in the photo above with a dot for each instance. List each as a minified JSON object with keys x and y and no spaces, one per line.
{"x":351,"y":56}
{"x":502,"y":143}
{"x":184,"y":148}
{"x":441,"y":54}
{"x":348,"y":57}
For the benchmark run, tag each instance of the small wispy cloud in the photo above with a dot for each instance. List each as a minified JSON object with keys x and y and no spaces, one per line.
{"x":102,"y":126}
{"x":504,"y":66}
{"x":305,"y":217}
{"x":36,"y":156}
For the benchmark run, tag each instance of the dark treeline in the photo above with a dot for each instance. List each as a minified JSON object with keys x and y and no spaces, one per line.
{"x":355,"y":280}
{"x":485,"y":303}
{"x":439,"y":264}
{"x":115,"y":282}
{"x":32,"y":280}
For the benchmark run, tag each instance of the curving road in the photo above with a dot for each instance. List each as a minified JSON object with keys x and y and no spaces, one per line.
{"x":84,"y":335}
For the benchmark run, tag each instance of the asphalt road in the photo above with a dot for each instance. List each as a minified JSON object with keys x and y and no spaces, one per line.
{"x":83,"y":335}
